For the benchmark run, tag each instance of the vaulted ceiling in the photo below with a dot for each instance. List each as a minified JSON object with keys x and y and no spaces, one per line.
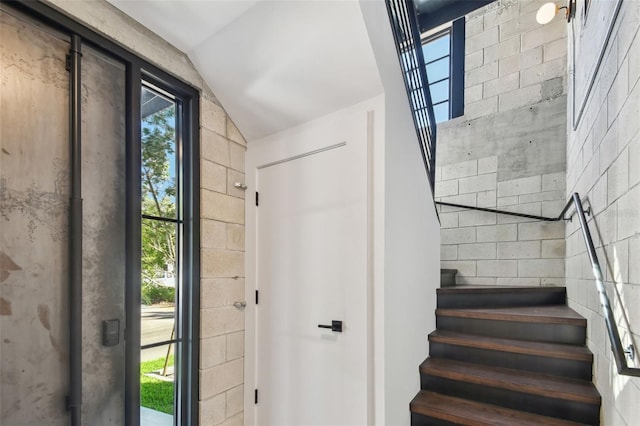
{"x":273,"y":64}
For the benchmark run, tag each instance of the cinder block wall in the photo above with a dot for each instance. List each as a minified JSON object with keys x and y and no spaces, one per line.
{"x":603,"y":165}
{"x":507,"y":151}
{"x":511,"y":61}
{"x":222,"y":325}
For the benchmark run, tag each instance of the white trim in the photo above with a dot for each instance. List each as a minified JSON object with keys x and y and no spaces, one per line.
{"x":306,"y":154}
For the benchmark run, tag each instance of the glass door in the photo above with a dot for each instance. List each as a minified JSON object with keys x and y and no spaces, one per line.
{"x":160,"y":260}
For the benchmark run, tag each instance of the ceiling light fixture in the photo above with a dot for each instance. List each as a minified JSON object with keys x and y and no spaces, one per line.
{"x":548,"y":11}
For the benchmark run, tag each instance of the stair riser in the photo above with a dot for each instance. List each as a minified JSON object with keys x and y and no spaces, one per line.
{"x":420,"y":420}
{"x":556,"y":333}
{"x":500,"y":300}
{"x":552,"y":407}
{"x":538,"y":364}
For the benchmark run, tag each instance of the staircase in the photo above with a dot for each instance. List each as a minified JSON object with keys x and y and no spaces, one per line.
{"x":506,"y":356}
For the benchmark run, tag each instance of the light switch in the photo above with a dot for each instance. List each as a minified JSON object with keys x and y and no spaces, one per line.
{"x":111,"y":332}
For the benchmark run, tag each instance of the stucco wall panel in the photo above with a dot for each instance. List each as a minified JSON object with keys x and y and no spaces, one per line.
{"x":33,"y":225}
{"x":103,"y":180}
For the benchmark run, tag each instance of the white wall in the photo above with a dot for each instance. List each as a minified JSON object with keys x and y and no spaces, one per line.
{"x":412,"y":265}
{"x":411,"y":257}
{"x":603,"y":164}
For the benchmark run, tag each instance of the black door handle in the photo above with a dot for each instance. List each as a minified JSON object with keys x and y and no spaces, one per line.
{"x":335,"y":326}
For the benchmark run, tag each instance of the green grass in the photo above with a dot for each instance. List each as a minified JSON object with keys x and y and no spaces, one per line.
{"x":155,"y":394}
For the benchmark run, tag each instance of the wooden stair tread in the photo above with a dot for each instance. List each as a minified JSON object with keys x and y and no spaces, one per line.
{"x":514,"y":380}
{"x":466,"y":412}
{"x":547,"y":314}
{"x":553,"y":350}
{"x":459,"y":289}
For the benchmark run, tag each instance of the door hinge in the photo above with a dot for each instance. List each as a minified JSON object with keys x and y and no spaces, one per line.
{"x":67,"y":62}
{"x":257,"y":298}
{"x":255,"y":396}
{"x":257,"y":198}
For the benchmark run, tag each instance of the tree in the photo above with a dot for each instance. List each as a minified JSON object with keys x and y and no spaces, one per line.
{"x":158,"y":199}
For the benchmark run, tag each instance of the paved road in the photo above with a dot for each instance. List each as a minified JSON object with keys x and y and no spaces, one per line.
{"x":156,"y":324}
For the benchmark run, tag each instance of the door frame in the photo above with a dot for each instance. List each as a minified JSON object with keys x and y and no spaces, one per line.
{"x":188,"y":327}
{"x":293,"y":143}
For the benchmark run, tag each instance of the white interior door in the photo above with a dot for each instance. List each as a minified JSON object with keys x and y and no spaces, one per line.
{"x":311,"y":269}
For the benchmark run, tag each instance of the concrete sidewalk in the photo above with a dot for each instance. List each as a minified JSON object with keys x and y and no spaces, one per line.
{"x":149,"y":417}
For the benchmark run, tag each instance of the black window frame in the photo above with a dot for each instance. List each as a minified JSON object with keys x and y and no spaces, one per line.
{"x":138,"y":71}
{"x":456,"y":32}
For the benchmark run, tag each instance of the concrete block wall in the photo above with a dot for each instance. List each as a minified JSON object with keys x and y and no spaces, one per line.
{"x":507,"y":151}
{"x":603,"y":165}
{"x":222,"y":268}
{"x":491,"y":249}
{"x":511,"y":61}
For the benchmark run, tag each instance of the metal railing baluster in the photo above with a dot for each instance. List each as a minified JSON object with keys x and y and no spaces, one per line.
{"x":406,"y":33}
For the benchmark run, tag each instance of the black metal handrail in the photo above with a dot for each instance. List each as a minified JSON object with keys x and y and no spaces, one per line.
{"x":612,"y":328}
{"x":406,"y":33}
{"x":488,"y":210}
